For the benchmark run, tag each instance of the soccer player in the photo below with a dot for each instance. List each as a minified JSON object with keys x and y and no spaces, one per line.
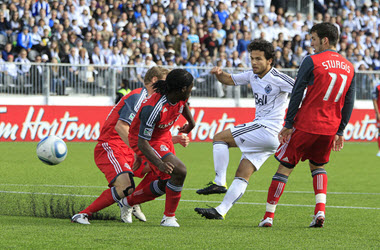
{"x":114,"y":157}
{"x":257,"y":140}
{"x":376,"y":104}
{"x":150,"y":138}
{"x":312,"y":130}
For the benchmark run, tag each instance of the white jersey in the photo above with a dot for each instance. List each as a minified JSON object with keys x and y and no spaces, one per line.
{"x":271,"y":93}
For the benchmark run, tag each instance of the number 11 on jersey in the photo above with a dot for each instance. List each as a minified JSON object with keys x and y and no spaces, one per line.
{"x":332,"y":84}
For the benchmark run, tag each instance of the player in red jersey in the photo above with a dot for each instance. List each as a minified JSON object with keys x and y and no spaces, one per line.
{"x":312,"y":130}
{"x":150,"y":138}
{"x":112,"y":154}
{"x":376,"y":105}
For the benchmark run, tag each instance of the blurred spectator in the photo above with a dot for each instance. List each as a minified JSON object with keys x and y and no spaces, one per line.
{"x":182,"y":45}
{"x":10,"y":72}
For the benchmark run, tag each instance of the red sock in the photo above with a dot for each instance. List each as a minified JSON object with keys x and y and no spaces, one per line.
{"x":320,"y":189}
{"x":148,"y":193}
{"x":275,"y":191}
{"x":104,"y":200}
{"x":148,"y":178}
{"x":173,"y":195}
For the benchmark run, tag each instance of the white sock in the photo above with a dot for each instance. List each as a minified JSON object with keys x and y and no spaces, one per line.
{"x":221,"y":159}
{"x":234,"y":193}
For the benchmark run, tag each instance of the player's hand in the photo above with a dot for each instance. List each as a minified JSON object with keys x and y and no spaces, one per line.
{"x":216,"y":71}
{"x":338,"y":143}
{"x":186,"y":128}
{"x":284,"y":135}
{"x":136,"y":163}
{"x":166,"y":167}
{"x":184,"y":140}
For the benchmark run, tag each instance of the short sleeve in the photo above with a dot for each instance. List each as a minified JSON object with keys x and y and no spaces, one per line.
{"x":148,"y":119}
{"x":242,"y":78}
{"x":127,"y":113}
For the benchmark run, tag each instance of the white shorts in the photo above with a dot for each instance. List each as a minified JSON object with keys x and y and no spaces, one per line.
{"x":256,"y":142}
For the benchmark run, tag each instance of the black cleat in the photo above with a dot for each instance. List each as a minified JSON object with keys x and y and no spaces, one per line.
{"x":209,"y":213}
{"x":212,"y":188}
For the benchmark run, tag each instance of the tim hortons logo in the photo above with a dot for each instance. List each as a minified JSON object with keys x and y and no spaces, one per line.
{"x":362,"y":130}
{"x":66,"y":127}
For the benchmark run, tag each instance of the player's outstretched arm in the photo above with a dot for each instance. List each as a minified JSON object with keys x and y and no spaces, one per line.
{"x":147,"y":150}
{"x":284,"y":135}
{"x":122,"y":128}
{"x":222,"y":76}
{"x":338,"y":143}
{"x":190,"y":121}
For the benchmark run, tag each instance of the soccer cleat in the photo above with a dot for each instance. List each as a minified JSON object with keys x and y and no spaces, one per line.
{"x":267,"y":222}
{"x":81,"y":219}
{"x":209,"y":213}
{"x":125,"y":212}
{"x":212,"y":188}
{"x":138,"y":213}
{"x":169,"y":222}
{"x":318,"y":219}
{"x":378,"y":154}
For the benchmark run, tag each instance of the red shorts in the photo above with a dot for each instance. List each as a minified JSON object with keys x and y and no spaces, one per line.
{"x":113,"y":160}
{"x":305,"y":146}
{"x":161,"y":149}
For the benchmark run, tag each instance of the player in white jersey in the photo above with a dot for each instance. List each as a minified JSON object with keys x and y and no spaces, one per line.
{"x":257,"y":140}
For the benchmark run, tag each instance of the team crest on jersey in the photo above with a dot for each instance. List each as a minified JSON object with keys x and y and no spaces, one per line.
{"x":268,"y":89}
{"x":164,"y":148}
{"x":148,"y":131}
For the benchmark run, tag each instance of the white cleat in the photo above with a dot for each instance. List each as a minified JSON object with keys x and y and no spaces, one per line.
{"x":318,"y":219}
{"x":125,"y":212}
{"x":81,"y":219}
{"x":267,"y":222}
{"x":169,"y":222}
{"x":138,"y":213}
{"x":378,"y":154}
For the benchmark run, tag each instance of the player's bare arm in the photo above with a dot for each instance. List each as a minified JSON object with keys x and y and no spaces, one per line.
{"x":190,"y":119}
{"x":147,"y":150}
{"x":285,"y":134}
{"x":222,"y":76}
{"x":376,"y":107}
{"x":122,"y":128}
{"x":182,"y":139}
{"x":338,"y":143}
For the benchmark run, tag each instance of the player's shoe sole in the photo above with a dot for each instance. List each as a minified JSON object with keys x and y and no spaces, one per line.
{"x":212,"y":188}
{"x":81,"y":219}
{"x":267,"y":222}
{"x":318,"y":220}
{"x":138,"y":213}
{"x":209,"y":213}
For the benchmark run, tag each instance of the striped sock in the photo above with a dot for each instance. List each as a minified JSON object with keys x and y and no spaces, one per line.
{"x":275,"y":191}
{"x":107,"y":198}
{"x":148,"y":193}
{"x":320,"y":188}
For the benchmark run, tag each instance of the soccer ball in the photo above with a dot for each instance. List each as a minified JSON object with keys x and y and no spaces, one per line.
{"x":51,"y":150}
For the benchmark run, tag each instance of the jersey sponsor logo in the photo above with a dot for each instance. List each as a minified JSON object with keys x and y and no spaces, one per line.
{"x":162,"y":126}
{"x":261,"y":100}
{"x":268,"y":89}
{"x":148,"y":131}
{"x":164,"y":148}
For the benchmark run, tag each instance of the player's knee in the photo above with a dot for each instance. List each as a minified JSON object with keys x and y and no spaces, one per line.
{"x":128,"y":189}
{"x":180,"y":171}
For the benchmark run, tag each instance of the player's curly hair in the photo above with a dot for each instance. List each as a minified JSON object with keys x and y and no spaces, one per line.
{"x":175,"y":80}
{"x":328,"y":30}
{"x":262,"y":45}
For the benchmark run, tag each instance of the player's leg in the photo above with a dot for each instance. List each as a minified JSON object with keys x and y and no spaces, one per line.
{"x":221,"y":142}
{"x":173,"y":190}
{"x":319,"y":175}
{"x":378,"y":138}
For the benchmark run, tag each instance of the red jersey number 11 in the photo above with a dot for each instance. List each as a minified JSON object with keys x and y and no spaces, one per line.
{"x":332,"y":84}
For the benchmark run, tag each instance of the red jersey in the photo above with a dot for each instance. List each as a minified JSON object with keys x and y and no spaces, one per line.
{"x":155,"y":119}
{"x":327,"y":76}
{"x":124,"y":110}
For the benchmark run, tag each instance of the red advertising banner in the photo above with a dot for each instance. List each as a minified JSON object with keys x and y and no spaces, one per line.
{"x":83,"y":123}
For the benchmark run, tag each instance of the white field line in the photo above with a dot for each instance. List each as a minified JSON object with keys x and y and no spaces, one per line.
{"x":185,"y":189}
{"x":193,"y":201}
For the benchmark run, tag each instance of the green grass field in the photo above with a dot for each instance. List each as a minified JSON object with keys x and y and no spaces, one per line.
{"x":37,"y":201}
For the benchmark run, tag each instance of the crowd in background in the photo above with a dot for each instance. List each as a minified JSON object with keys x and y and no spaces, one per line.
{"x":178,"y":33}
